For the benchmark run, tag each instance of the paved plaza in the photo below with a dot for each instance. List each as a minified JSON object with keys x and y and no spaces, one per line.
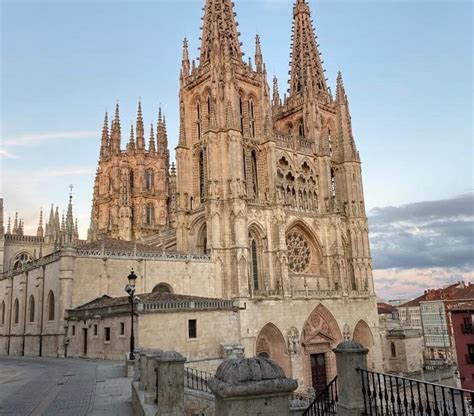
{"x":66,"y":387}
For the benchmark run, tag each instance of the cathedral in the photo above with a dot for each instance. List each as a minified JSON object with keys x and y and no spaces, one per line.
{"x":261,"y":221}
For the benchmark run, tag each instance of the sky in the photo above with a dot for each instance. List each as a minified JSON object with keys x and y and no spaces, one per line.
{"x":407,"y":67}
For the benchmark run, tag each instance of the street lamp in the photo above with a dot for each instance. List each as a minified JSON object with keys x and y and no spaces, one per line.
{"x":130,"y":289}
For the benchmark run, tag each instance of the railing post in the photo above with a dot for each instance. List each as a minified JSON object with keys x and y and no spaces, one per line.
{"x":169,"y":384}
{"x":350,"y":356}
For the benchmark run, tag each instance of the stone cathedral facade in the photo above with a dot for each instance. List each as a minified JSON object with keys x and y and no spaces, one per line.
{"x":265,"y":207}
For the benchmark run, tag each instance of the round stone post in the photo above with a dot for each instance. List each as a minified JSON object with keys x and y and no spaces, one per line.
{"x":251,"y":386}
{"x":350,"y":355}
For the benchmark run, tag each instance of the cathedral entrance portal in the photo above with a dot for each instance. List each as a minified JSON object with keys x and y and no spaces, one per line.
{"x":318,"y":372}
{"x":320,"y":335}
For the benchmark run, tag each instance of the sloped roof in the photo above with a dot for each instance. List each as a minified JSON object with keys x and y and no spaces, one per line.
{"x":457,"y":291}
{"x":383,"y":308}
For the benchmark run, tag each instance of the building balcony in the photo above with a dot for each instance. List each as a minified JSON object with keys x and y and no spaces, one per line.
{"x":466,"y":328}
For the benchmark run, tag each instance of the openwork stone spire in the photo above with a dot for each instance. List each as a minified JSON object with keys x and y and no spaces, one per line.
{"x":306,"y":66}
{"x":140,"y":129}
{"x":219,"y":29}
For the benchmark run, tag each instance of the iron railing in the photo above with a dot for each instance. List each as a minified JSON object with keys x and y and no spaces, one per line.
{"x":389,"y":395}
{"x":197,"y":379}
{"x":325,"y":403}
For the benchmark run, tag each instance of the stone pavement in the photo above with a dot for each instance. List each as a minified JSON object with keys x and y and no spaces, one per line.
{"x":63,"y":387}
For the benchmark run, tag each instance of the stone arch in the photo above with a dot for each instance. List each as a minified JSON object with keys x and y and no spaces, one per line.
{"x":162,"y":288}
{"x":270,"y":341}
{"x":256,"y":260}
{"x":51,"y":306}
{"x":21,"y":258}
{"x":363,"y":335}
{"x":320,"y":335}
{"x":16,"y":311}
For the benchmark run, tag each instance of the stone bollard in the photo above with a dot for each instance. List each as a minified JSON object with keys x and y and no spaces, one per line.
{"x":350,"y":355}
{"x":251,"y":386}
{"x":170,"y":393}
{"x":143,"y":355}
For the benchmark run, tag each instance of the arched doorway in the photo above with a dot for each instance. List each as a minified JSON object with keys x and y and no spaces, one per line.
{"x":363,"y":335}
{"x":320,"y":335}
{"x":271,"y":344}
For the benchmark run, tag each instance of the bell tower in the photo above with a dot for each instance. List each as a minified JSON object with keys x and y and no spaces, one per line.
{"x":225,"y":116}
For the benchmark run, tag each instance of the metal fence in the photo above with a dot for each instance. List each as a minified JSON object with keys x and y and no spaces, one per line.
{"x":197,"y":379}
{"x":325,"y":403}
{"x":389,"y":395}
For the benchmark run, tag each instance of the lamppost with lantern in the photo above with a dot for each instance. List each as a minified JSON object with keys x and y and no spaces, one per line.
{"x":130,"y":289}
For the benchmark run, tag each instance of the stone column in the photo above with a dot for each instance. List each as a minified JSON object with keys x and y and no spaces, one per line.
{"x":251,"y":386}
{"x":170,"y":386}
{"x":350,"y":355}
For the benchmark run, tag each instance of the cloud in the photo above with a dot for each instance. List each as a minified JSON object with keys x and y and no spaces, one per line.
{"x":7,"y":155}
{"x":429,"y":234}
{"x":33,"y":139}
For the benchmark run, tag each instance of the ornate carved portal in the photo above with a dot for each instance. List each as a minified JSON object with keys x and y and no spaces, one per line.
{"x":320,"y":335}
{"x":271,"y":344}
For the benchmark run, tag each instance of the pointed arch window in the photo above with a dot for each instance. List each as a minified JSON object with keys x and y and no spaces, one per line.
{"x":149,"y":214}
{"x":209,"y":109}
{"x":149,"y":180}
{"x":333,"y":182}
{"x":301,"y":130}
{"x":51,"y":306}
{"x":31,"y":309}
{"x":198,"y":120}
{"x":393,"y":350}
{"x":202,"y":176}
{"x":254,"y":264}
{"x":131,"y":179}
{"x":330,"y":141}
{"x":16,"y":311}
{"x":2,"y":321}
{"x":251,"y":118}
{"x":254,"y":174}
{"x":241,"y":115}
{"x":21,"y":259}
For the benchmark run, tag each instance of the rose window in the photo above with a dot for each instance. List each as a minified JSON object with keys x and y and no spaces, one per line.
{"x":299,"y":252}
{"x":20,"y":260}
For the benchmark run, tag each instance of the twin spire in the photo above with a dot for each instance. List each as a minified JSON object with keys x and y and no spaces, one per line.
{"x":111,"y":138}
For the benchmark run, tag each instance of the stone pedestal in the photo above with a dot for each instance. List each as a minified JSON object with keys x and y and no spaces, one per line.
{"x":251,"y":386}
{"x":170,"y":384}
{"x":350,"y":355}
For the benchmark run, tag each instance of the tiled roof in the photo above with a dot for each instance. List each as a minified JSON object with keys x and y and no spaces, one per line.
{"x":383,"y":308}
{"x":106,"y":301}
{"x":457,"y":291}
{"x":465,"y":306}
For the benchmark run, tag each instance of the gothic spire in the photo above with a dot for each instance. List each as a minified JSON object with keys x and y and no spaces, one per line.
{"x":340,"y":91}
{"x":140,"y":129}
{"x":70,"y":218}
{"x":40,"y":231}
{"x":131,"y":142}
{"x":116,"y":131}
{"x":162,"y":136}
{"x":258,"y":54}
{"x":15,"y":224}
{"x":9,"y":226}
{"x":151,"y":145}
{"x":276,"y":92}
{"x":306,"y":65}
{"x":219,"y":28}
{"x":105,"y":137}
{"x":185,"y":61}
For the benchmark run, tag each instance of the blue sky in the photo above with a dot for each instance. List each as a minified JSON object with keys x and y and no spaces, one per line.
{"x":407,"y":68}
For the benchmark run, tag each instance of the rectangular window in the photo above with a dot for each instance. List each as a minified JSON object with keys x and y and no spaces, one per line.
{"x":470,"y":354}
{"x":107,"y":334}
{"x":73,"y":330}
{"x":122,"y":328}
{"x":192,"y":328}
{"x":95,"y":330}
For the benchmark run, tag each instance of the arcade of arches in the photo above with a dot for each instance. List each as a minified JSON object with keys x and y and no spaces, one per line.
{"x":313,"y":349}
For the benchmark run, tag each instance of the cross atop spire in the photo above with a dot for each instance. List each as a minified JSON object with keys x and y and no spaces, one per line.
{"x":306,"y":66}
{"x":219,"y":28}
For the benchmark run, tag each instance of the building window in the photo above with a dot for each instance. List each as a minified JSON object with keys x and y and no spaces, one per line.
{"x":95,"y":330}
{"x":16,"y":311}
{"x":192,"y":328}
{"x":149,"y":179}
{"x":202,"y":176}
{"x":301,"y":130}
{"x":149,"y":214}
{"x":251,"y":119}
{"x":254,"y":264}
{"x":198,"y":121}
{"x":51,"y":306}
{"x":393,"y":350}
{"x":3,"y":313}
{"x":241,"y":115}
{"x":470,"y":353}
{"x":32,"y":308}
{"x":131,"y":179}
{"x":107,"y":334}
{"x":20,"y":260}
{"x":333,"y":182}
{"x":73,"y":330}
{"x":162,"y":288}
{"x":122,"y":328}
{"x":254,"y":174}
